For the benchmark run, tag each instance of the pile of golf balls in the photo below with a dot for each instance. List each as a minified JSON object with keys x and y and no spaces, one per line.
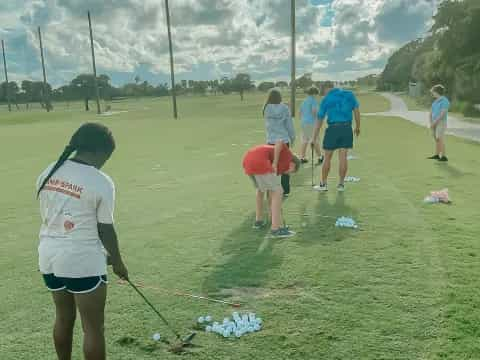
{"x":238,"y":325}
{"x":346,"y":222}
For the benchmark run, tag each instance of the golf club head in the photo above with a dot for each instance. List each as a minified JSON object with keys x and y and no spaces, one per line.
{"x":188,"y":339}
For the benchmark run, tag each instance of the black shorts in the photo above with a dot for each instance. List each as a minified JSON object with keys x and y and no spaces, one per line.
{"x":74,"y":285}
{"x":338,"y":136}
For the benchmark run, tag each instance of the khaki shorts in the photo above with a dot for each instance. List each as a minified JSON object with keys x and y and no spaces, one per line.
{"x":267,"y":182}
{"x":307,"y":133}
{"x":439,"y":131}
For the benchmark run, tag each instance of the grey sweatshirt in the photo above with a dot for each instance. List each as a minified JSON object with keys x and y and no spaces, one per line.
{"x":279,"y":124}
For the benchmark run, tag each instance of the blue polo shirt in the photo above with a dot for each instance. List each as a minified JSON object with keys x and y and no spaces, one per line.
{"x":338,"y":106}
{"x":308,"y":107}
{"x":438,"y":106}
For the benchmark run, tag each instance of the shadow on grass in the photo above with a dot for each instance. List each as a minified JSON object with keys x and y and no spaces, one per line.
{"x":319,"y":226}
{"x":249,"y":258}
{"x":452,"y":170}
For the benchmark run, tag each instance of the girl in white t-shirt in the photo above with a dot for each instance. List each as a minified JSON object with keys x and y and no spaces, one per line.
{"x":77,"y":232}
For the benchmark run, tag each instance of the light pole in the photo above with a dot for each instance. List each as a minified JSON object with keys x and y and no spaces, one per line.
{"x":46,"y":94}
{"x":97,"y":94}
{"x":293,"y":84}
{"x":172,"y":70}
{"x":7,"y":90}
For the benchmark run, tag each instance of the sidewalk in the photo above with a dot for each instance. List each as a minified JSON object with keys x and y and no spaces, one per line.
{"x":456,"y":126}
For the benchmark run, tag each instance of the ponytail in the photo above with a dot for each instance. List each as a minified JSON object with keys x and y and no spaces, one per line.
{"x":90,"y":137}
{"x":69,"y":149}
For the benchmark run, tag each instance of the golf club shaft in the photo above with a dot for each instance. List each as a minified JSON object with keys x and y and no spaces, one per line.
{"x":184,"y":294}
{"x":207,"y":299}
{"x":312,"y":165}
{"x":154,"y":309}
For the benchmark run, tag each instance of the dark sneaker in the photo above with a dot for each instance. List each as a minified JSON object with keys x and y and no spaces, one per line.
{"x":303,"y":161}
{"x":320,"y":160}
{"x":282,"y":233}
{"x":434,"y":157}
{"x":259,"y":225}
{"x":443,"y":159}
{"x":286,"y":195}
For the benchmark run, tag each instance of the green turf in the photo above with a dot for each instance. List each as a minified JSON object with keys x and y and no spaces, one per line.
{"x":403,"y":286}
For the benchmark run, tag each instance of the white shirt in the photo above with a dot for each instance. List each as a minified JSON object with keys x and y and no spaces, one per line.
{"x":73,"y":201}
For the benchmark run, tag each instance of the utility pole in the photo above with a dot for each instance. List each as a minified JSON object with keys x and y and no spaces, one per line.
{"x":293,"y":85}
{"x":97,"y":93}
{"x":7,"y":90}
{"x":46,"y":95}
{"x":172,"y":70}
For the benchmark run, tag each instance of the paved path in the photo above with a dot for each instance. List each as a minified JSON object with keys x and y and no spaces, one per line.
{"x":456,"y":126}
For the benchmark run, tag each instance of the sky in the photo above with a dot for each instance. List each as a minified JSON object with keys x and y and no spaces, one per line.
{"x":336,"y":39}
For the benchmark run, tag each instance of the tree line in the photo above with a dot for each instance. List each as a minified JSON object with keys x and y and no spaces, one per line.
{"x":82,"y":88}
{"x":448,"y":55}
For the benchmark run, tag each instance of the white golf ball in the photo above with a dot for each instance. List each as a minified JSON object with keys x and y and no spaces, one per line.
{"x":156,"y":337}
{"x":208,"y":318}
{"x":201,"y":320}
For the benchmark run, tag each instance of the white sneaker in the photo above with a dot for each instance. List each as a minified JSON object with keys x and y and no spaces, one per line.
{"x":321,"y":187}
{"x":340,"y":187}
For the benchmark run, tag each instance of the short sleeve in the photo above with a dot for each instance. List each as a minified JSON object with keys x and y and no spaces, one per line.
{"x":106,"y":203}
{"x":322,"y":111}
{"x":445,"y":104}
{"x":355,"y":103}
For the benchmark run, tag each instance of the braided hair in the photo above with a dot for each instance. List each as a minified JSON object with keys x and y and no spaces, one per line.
{"x":90,"y":137}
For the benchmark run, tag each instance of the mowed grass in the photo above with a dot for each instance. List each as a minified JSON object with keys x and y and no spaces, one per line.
{"x":403,"y":286}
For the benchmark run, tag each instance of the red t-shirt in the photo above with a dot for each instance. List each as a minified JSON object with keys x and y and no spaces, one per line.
{"x":258,"y":160}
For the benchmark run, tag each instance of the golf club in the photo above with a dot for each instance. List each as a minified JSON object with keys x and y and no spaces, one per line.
{"x":184,"y":294}
{"x":184,"y":341}
{"x":313,"y":165}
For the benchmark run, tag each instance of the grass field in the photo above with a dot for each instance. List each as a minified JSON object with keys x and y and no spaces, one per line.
{"x":403,"y":286}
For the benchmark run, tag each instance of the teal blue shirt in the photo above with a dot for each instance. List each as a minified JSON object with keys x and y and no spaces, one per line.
{"x":308,"y":108}
{"x":338,"y":106}
{"x":438,"y":106}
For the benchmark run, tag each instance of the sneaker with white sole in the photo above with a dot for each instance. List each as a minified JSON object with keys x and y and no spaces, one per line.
{"x":321,"y":187}
{"x":284,"y":232}
{"x":340,"y":187}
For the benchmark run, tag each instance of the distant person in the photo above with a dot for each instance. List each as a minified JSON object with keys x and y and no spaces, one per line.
{"x":338,"y":106}
{"x":308,"y":114}
{"x":264,"y":164}
{"x":279,"y":127}
{"x":76,"y":208}
{"x":438,"y":121}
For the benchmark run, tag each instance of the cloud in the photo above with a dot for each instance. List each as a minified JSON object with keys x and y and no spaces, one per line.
{"x":212,"y":38}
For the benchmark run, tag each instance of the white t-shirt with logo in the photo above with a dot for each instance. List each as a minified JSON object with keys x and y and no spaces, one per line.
{"x":73,"y":201}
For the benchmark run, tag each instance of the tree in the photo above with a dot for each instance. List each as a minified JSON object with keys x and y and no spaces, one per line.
{"x":83,"y":87}
{"x":305,"y":81}
{"x":12,"y":92}
{"x":225,"y":85}
{"x":266,"y":85}
{"x":242,"y":83}
{"x":396,"y":75}
{"x":281,"y":84}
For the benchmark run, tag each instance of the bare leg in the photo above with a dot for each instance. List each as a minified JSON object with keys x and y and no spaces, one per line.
{"x":276,"y":208}
{"x":65,"y":313}
{"x":303,"y":150}
{"x":343,"y":164}
{"x":317,"y":149}
{"x":326,"y":165}
{"x":441,"y":147}
{"x":259,"y":208}
{"x":91,"y":307}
